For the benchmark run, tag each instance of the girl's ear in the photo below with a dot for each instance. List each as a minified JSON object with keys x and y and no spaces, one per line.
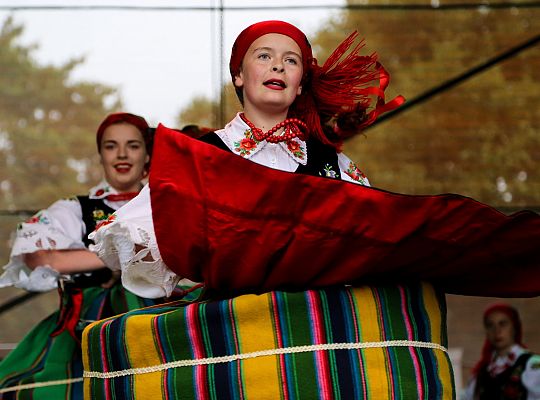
{"x":238,"y":81}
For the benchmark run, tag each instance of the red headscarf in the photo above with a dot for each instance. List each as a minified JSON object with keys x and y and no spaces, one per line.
{"x":487,"y":349}
{"x":122,"y":117}
{"x":255,"y":31}
{"x":342,"y":85}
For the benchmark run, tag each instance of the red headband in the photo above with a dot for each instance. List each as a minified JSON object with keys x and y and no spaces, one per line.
{"x":121,"y":117}
{"x":255,"y":31}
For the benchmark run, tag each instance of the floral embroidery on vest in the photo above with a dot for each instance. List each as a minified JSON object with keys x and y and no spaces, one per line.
{"x":328,"y":172}
{"x":354,"y":172}
{"x":99,"y":215}
{"x":109,"y":220}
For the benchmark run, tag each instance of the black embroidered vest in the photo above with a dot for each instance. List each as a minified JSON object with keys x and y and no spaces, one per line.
{"x":93,"y":210}
{"x":505,"y":386}
{"x":322,"y":160}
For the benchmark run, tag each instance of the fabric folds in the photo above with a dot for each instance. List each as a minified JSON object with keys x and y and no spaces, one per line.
{"x":254,"y":229}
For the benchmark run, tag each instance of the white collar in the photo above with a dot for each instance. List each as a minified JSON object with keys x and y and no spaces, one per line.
{"x":238,"y":138}
{"x":102,"y":190}
{"x":500,"y":363}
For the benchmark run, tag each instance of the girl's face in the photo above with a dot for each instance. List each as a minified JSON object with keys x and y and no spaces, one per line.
{"x":123,"y":156}
{"x":271,"y":74}
{"x":500,"y":331}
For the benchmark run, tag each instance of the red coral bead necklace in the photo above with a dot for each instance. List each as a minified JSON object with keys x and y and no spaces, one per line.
{"x":292,"y":127}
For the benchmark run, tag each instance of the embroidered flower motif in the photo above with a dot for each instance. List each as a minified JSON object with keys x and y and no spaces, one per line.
{"x":37,"y":219}
{"x":328,"y":172}
{"x":100,"y":192}
{"x":99,"y":215}
{"x":107,"y":221}
{"x":245,"y":146}
{"x":354,"y":172}
{"x":296,"y":149}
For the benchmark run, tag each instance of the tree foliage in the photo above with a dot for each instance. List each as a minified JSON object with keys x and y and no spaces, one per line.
{"x":479,"y":138}
{"x":205,"y":112}
{"x":47,"y":126}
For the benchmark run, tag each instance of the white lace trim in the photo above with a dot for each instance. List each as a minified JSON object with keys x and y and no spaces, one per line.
{"x":263,"y":353}
{"x":115,"y":245}
{"x":41,"y":279}
{"x":32,"y":237}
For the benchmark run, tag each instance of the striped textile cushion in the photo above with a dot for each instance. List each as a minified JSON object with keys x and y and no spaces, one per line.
{"x":370,"y":342}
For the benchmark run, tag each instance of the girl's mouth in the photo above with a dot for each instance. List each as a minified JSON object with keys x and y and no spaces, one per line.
{"x":276,"y":84}
{"x":122,"y":168}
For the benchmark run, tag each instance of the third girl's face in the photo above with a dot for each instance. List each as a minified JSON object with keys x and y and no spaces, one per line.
{"x":123,"y":156}
{"x":500,"y":331}
{"x":271,"y":73}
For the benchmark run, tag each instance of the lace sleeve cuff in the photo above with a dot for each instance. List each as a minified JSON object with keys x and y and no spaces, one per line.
{"x":125,"y":245}
{"x":41,"y":279}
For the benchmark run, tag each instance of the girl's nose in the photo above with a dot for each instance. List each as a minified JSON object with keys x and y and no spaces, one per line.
{"x":122,"y":153}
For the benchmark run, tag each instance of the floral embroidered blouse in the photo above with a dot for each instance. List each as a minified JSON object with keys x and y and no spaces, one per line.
{"x":128,"y":241}
{"x":58,"y":227}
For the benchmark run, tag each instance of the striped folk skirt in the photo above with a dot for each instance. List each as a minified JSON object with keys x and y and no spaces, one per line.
{"x":371,"y":342}
{"x":50,"y":367}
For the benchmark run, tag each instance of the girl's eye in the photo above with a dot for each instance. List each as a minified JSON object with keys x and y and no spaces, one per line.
{"x":263,"y":56}
{"x":291,"y":61}
{"x":109,"y":146}
{"x":135,"y":146}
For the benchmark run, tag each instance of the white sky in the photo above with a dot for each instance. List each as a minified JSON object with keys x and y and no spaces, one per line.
{"x":158,"y":59}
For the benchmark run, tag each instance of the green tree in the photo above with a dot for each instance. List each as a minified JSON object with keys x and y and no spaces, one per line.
{"x":47,"y":125}
{"x":204,"y":111}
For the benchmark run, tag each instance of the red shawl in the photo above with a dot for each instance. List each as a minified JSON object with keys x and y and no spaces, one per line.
{"x":240,"y":227}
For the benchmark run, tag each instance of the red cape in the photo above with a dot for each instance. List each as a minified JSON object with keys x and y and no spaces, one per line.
{"x":240,"y":227}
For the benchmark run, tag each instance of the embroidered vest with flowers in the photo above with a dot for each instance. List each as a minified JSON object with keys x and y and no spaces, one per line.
{"x":93,"y":212}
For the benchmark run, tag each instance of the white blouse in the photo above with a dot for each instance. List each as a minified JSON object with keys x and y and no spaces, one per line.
{"x":59,"y":227}
{"x":530,"y":377}
{"x":129,"y":242}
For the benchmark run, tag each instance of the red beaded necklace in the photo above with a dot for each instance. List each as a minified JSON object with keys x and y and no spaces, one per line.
{"x":121,"y":196}
{"x":293,"y":128}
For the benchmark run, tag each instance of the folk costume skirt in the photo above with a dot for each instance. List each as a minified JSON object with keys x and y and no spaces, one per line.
{"x":371,"y":342}
{"x":50,"y":367}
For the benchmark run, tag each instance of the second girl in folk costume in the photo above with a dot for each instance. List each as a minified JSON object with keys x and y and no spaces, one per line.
{"x":507,"y":370}
{"x":50,"y":251}
{"x":277,"y":252}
